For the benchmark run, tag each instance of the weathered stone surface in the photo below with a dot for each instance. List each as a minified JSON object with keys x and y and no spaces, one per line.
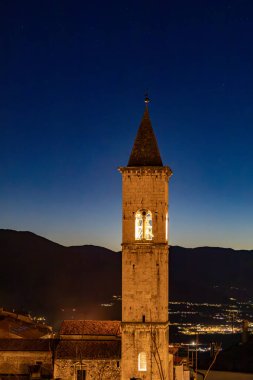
{"x":145,"y":274}
{"x":94,"y":369}
{"x":18,"y":362}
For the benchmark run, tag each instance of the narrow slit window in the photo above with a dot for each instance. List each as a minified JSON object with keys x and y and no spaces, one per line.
{"x":142,"y":361}
{"x":167,"y":227}
{"x":80,"y":374}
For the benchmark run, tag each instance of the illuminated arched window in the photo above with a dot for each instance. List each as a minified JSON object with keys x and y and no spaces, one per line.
{"x":143,"y":225}
{"x":142,"y":361}
{"x":138,"y":226}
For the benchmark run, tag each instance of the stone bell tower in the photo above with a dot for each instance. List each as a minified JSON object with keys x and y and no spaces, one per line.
{"x":145,"y":259}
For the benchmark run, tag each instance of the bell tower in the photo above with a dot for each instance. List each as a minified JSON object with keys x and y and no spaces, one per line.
{"x":145,"y":259}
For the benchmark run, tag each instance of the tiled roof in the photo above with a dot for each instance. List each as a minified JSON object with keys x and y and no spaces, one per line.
{"x":145,"y":151}
{"x":88,"y":349}
{"x":89,"y":327}
{"x":25,"y":344}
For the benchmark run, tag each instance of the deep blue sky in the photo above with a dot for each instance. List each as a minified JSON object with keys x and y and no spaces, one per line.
{"x":73,"y":76}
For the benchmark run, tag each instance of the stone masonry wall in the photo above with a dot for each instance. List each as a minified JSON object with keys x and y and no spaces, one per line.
{"x":145,"y":283}
{"x":66,"y":369}
{"x":18,"y":362}
{"x":151,"y":339}
{"x":145,"y":274}
{"x":148,"y":190}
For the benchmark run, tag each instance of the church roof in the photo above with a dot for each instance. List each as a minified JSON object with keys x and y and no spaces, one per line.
{"x":69,"y":349}
{"x":90,"y":327}
{"x":145,"y":151}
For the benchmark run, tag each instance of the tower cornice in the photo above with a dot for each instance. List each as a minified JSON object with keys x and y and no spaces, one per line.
{"x":144,"y":243}
{"x":141,"y":325}
{"x":146,"y":170}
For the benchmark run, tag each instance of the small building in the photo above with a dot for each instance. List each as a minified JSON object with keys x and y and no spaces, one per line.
{"x":88,"y":350}
{"x":23,"y":358}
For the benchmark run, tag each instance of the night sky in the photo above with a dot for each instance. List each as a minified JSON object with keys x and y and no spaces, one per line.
{"x":73,"y":76}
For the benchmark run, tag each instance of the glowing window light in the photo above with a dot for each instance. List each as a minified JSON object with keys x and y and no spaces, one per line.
{"x":138,"y":226}
{"x":148,"y":226}
{"x":143,"y":225}
{"x":167,"y":227}
{"x":142,"y":361}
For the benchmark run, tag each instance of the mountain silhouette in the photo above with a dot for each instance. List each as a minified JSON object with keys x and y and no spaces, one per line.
{"x":43,"y":277}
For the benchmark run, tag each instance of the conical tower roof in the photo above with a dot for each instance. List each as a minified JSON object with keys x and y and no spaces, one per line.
{"x":145,"y":151}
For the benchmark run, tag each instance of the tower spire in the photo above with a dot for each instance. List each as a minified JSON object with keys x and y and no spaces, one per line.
{"x":145,"y":151}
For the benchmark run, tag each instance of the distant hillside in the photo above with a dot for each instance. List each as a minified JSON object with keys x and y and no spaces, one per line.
{"x":44,"y":277}
{"x":210,"y":274}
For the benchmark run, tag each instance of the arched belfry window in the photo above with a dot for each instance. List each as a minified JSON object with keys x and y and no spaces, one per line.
{"x":143,"y":225}
{"x":142,"y":361}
